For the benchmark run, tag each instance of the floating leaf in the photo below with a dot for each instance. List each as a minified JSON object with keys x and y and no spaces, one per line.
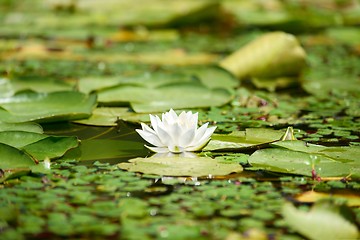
{"x":46,"y":107}
{"x":323,"y":221}
{"x":181,"y":166}
{"x":39,"y":146}
{"x":36,"y":85}
{"x":293,"y":162}
{"x":27,"y":127}
{"x":243,"y":140}
{"x":20,"y":139}
{"x":176,"y":96}
{"x":51,"y":147}
{"x":12,"y":158}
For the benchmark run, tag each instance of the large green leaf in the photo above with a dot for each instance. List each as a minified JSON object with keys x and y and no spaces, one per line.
{"x":243,"y":140}
{"x":176,"y":96}
{"x":181,"y":166}
{"x":46,"y":107}
{"x":36,"y":85}
{"x":293,"y":162}
{"x":20,"y":139}
{"x":11,"y":158}
{"x":51,"y":147}
{"x":341,"y":154}
{"x":108,"y":116}
{"x":27,"y":127}
{"x":323,"y":221}
{"x":210,"y":76}
{"x":39,"y":146}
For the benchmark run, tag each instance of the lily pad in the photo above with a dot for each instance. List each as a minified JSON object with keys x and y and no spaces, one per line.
{"x":293,"y":162}
{"x":39,"y":146}
{"x":108,"y":116}
{"x":323,"y":221}
{"x":46,"y":107}
{"x":27,"y":127}
{"x":211,"y":77}
{"x":12,"y":158}
{"x":243,"y":140}
{"x":36,"y":85}
{"x":181,"y":166}
{"x":176,"y":96}
{"x":51,"y":147}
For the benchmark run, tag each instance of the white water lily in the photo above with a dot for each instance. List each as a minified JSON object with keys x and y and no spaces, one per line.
{"x":175,"y":133}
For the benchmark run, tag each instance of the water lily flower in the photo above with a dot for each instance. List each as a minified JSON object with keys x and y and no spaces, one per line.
{"x":175,"y":133}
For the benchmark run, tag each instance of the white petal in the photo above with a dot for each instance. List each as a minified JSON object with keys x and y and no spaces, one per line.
{"x":174,"y":131}
{"x":150,"y":137}
{"x":200,"y":132}
{"x":172,"y":115}
{"x":146,"y":128}
{"x":193,"y":120}
{"x":158,"y":149}
{"x":187,"y":137}
{"x":154,"y":121}
{"x":164,"y":136}
{"x":182,"y":119}
{"x":203,"y":141}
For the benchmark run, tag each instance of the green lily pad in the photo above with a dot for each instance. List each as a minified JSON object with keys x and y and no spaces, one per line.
{"x":39,"y":146}
{"x":342,"y":154}
{"x":20,"y":139}
{"x":176,"y":96}
{"x":181,"y":166}
{"x":211,"y":77}
{"x":46,"y":107}
{"x":293,"y":162}
{"x":108,"y":116}
{"x":51,"y":147}
{"x":242,"y":140}
{"x":12,"y":158}
{"x":323,"y":221}
{"x":37,"y":85}
{"x":27,"y":127}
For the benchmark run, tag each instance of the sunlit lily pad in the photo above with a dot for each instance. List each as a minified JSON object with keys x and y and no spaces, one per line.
{"x":46,"y":107}
{"x":293,"y":162}
{"x":243,"y":140}
{"x":181,"y":166}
